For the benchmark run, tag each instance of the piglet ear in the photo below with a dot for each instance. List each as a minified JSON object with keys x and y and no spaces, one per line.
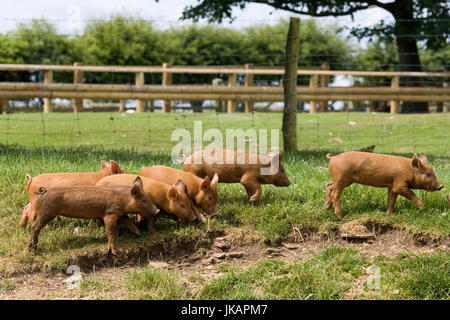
{"x":105,"y":164}
{"x":275,"y":163}
{"x":180,"y":184}
{"x":215,"y":180}
{"x":415,"y":162}
{"x":206,"y":184}
{"x":115,"y":169}
{"x":172,"y":193}
{"x":137,"y":187}
{"x":423,"y":158}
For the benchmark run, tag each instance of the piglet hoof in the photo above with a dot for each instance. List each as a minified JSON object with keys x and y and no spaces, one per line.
{"x":201,"y":218}
{"x":339,"y":215}
{"x":135,"y":230}
{"x":150,"y":229}
{"x":112,"y":253}
{"x":253,"y":200}
{"x":144,"y":227}
{"x":212,"y":214}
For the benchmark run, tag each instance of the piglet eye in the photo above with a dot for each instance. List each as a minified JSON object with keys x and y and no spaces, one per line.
{"x":427,"y":174}
{"x":183,"y":206}
{"x":144,"y":201}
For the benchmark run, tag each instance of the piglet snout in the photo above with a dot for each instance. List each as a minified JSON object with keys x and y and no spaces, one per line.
{"x":441,"y":187}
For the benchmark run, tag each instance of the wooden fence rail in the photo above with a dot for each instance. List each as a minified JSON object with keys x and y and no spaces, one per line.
{"x":318,"y":92}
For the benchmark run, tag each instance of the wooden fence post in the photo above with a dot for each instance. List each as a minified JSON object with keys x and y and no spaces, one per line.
{"x":140,"y":107}
{"x":248,"y":83}
{"x":313,"y":85}
{"x":324,"y":81}
{"x":375,"y":104}
{"x":151,"y":105}
{"x":231,"y":107}
{"x":440,"y":84}
{"x":121,"y":105}
{"x":77,"y":79}
{"x":289,"y":125}
{"x":395,"y":84}
{"x":2,"y":105}
{"x":48,"y":79}
{"x":219,"y":104}
{"x":166,"y":81}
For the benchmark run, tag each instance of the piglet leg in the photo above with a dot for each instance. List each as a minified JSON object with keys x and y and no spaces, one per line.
{"x":31,"y":214}
{"x":408,"y":194}
{"x":335,"y":195}
{"x":392,"y":197}
{"x":130,"y":224}
{"x":253,"y":189}
{"x":41,"y":221}
{"x":198,"y":214}
{"x":24,"y":218}
{"x":111,"y":232}
{"x":147,"y":221}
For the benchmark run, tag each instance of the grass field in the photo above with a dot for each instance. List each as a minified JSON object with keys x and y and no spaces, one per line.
{"x":320,"y":265}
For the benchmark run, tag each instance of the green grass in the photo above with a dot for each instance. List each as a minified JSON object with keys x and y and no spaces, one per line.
{"x":139,"y":140}
{"x":336,"y":273}
{"x":425,"y":277}
{"x":6,"y":286}
{"x":327,"y":275}
{"x":151,"y":131}
{"x":411,"y":276}
{"x":155,"y":284}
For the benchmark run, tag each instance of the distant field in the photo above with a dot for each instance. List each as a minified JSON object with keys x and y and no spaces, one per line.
{"x":151,"y":131}
{"x":38,"y":143}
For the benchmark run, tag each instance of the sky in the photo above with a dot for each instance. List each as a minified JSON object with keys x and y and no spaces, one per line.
{"x":70,"y":16}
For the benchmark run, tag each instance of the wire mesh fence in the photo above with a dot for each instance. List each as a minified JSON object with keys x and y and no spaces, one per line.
{"x":152,"y":132}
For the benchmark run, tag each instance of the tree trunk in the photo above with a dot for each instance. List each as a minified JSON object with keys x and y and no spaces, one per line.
{"x":289,"y":126}
{"x":408,"y":52}
{"x":2,"y":105}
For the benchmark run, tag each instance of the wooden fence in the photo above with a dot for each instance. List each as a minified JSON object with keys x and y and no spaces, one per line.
{"x":318,"y":93}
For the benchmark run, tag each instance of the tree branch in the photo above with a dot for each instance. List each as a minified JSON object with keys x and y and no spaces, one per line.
{"x":316,"y":14}
{"x":386,"y":6}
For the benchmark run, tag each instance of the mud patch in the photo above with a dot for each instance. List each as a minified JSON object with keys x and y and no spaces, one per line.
{"x":199,"y":264}
{"x":356,"y":230}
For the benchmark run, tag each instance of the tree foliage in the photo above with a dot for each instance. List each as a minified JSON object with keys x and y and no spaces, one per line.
{"x":414,"y":21}
{"x":35,"y":43}
{"x":124,"y":40}
{"x":425,"y":20}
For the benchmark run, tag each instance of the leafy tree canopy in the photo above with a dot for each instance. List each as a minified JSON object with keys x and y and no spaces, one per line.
{"x":425,"y":20}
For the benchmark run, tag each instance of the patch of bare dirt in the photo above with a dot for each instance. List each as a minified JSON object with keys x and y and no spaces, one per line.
{"x":200,"y":263}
